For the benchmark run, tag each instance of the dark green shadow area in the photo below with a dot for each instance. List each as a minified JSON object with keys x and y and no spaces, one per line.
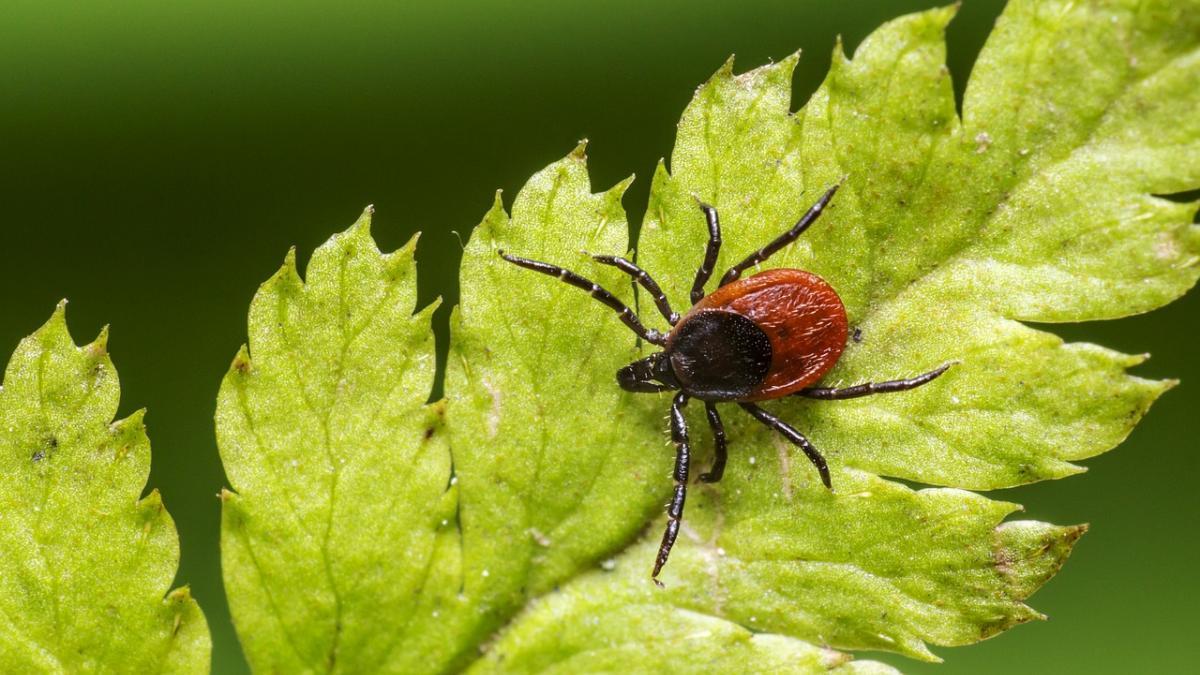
{"x":158,"y":159}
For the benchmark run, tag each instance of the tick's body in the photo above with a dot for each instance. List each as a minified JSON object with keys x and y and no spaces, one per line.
{"x":789,"y":326}
{"x":768,"y":336}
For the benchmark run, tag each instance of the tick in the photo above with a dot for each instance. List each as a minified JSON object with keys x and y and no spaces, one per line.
{"x":768,"y":336}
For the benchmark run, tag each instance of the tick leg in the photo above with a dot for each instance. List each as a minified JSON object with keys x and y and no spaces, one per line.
{"x":626,"y":314}
{"x":683,"y":459}
{"x":642,"y":277}
{"x":868,"y":388}
{"x":789,"y":432}
{"x":784,"y":239}
{"x":710,"y":252}
{"x":718,"y":467}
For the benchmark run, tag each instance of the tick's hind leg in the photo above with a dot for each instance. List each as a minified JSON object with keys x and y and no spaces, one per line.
{"x":784,"y":239}
{"x":683,"y":460}
{"x":789,"y":432}
{"x":718,"y":466}
{"x":868,"y":388}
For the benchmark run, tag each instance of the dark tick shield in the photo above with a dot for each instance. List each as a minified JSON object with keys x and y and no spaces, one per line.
{"x":764,"y":337}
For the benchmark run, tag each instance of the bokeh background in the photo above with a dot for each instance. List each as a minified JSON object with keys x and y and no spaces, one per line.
{"x":158,"y":159}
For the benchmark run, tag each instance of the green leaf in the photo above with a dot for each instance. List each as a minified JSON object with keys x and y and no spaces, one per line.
{"x":340,"y":470}
{"x":513,"y":529}
{"x":86,"y":562}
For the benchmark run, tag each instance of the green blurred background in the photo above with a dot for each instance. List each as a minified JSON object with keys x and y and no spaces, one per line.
{"x":158,"y":159}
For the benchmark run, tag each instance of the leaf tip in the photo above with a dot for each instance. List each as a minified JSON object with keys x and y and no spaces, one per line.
{"x":579,"y":153}
{"x":424,"y":313}
{"x":406,"y":252}
{"x":1027,"y":554}
{"x":135,"y":421}
{"x":241,"y":363}
{"x":839,"y":51}
{"x":99,"y":346}
{"x":151,"y":506}
{"x":726,"y":69}
{"x":364,"y":219}
{"x":940,"y":17}
{"x":916,"y":648}
{"x":287,"y":273}
{"x":494,"y":220}
{"x":1021,"y":613}
{"x":775,"y":74}
{"x":55,"y":327}
{"x":619,"y":189}
{"x":180,"y":595}
{"x":354,"y":240}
